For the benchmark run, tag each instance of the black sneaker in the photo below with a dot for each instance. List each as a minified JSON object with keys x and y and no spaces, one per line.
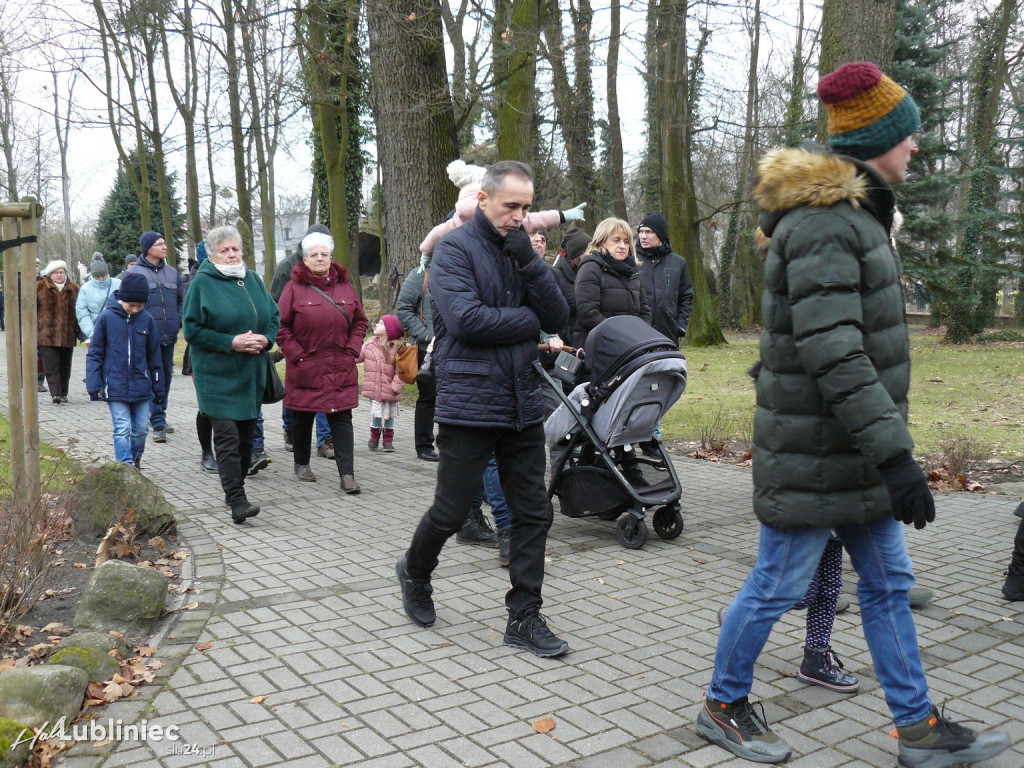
{"x":416,"y":599}
{"x":650,"y":449}
{"x":737,"y":728}
{"x":159,"y":435}
{"x":936,"y":742}
{"x":208,"y":463}
{"x":822,"y":667}
{"x":531,"y":632}
{"x":258,"y":461}
{"x":477,"y":530}
{"x":504,"y":534}
{"x":169,"y":429}
{"x":1013,"y":587}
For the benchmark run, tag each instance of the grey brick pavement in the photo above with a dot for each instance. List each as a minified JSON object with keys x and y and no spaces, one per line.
{"x":301,"y":607}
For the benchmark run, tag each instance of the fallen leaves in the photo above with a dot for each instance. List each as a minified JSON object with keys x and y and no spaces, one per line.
{"x":257,"y":699}
{"x":204,"y":646}
{"x":941,"y":479}
{"x":544,"y":725}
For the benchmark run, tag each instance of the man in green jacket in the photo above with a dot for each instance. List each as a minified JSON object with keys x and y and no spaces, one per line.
{"x":831,"y":444}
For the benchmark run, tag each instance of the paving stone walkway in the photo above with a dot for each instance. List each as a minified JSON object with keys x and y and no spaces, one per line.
{"x":301,"y":607}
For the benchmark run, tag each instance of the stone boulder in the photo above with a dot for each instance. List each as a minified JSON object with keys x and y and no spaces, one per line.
{"x":123,"y":597}
{"x":99,"y":666}
{"x":98,"y":641}
{"x":106,"y":493}
{"x":12,"y":732}
{"x":38,"y":695}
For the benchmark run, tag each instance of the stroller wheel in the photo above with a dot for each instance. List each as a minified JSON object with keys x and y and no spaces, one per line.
{"x":632,"y":531}
{"x":668,"y":523}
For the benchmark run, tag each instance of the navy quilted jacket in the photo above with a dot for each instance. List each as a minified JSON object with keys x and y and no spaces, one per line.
{"x":488,"y":315}
{"x":124,"y":362}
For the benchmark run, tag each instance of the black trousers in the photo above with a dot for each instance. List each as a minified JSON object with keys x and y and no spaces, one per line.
{"x":341,"y":435}
{"x":423,"y":422}
{"x":464,"y":453}
{"x":57,"y":368}
{"x":232,"y":443}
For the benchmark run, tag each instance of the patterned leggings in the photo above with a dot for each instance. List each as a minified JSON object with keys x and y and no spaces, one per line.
{"x":820,"y":600}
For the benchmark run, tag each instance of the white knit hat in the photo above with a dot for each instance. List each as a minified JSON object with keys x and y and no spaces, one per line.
{"x":462,"y":174}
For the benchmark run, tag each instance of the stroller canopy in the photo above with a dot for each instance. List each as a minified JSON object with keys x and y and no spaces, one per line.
{"x":617,"y":346}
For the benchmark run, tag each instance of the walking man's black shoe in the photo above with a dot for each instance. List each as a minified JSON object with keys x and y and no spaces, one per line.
{"x":531,"y":632}
{"x":428,"y":455}
{"x":416,"y":599}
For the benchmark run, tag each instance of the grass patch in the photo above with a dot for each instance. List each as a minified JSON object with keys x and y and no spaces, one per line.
{"x":970,"y":390}
{"x":57,"y":470}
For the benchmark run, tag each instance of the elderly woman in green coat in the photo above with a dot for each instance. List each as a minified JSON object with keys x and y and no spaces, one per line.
{"x":230,"y":322}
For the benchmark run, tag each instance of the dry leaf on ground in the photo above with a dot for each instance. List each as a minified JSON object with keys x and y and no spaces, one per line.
{"x":544,"y":725}
{"x":204,"y":646}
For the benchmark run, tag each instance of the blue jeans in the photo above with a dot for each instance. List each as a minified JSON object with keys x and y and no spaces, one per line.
{"x":786,"y":562}
{"x":130,"y":429}
{"x":323,"y":429}
{"x":158,"y":413}
{"x":257,"y":435}
{"x":491,"y":485}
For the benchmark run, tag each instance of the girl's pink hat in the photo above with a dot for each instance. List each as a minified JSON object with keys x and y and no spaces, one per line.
{"x":393,"y":326}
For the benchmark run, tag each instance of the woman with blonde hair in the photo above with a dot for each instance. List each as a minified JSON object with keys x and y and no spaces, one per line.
{"x":608,"y":281}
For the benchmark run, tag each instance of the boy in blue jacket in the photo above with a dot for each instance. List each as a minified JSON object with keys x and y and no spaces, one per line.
{"x":124,"y":366}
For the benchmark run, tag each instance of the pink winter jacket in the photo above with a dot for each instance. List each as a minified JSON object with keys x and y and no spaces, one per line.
{"x":464,"y":208}
{"x":380,"y":378}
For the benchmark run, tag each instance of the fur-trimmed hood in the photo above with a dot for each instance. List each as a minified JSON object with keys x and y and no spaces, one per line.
{"x":812,"y":176}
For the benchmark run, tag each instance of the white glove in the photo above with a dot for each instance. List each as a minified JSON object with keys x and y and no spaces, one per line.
{"x":574,"y":214}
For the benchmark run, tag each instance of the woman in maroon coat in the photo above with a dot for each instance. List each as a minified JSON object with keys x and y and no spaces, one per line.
{"x":322,"y":329}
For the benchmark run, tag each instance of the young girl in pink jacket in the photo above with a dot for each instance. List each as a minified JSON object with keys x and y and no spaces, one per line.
{"x":381,"y":383}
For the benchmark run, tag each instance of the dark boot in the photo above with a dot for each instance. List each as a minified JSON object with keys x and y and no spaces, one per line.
{"x":232,"y":480}
{"x":288,"y":446}
{"x":822,"y":667}
{"x":326,"y":449}
{"x":374,"y":442}
{"x":1013,"y":588}
{"x":1019,"y":511}
{"x":503,"y":546}
{"x":476,"y":530}
{"x":389,"y":441}
{"x":208,"y":463}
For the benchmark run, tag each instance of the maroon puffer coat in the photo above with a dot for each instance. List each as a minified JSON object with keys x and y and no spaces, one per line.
{"x":319,"y":344}
{"x":380,"y":378}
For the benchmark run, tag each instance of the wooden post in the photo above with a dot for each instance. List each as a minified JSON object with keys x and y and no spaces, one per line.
{"x":15,"y":406}
{"x":30,"y":350}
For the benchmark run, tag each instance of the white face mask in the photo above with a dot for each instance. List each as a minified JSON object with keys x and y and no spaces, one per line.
{"x":231,"y":270}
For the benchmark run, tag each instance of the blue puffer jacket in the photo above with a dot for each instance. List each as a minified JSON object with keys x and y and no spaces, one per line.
{"x":487,"y":317}
{"x":166,"y":296}
{"x":92,"y":299}
{"x":124,"y":363}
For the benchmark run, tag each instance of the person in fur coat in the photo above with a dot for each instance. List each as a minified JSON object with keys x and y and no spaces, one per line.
{"x":58,"y":327}
{"x":381,"y":383}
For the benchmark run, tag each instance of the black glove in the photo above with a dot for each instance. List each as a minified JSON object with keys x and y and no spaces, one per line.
{"x":158,"y":400}
{"x":518,"y":246}
{"x":95,"y":396}
{"x":911,"y":498}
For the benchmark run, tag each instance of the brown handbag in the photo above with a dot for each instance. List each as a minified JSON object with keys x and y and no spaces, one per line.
{"x":407,"y":362}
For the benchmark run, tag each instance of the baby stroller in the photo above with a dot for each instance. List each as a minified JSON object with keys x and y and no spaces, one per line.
{"x":636,"y":375}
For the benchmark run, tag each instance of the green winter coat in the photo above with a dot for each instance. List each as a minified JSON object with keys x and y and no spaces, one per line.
{"x":229,"y":384}
{"x":835,"y":355}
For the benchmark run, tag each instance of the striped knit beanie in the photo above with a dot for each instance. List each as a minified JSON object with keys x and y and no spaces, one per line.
{"x":868,"y":114}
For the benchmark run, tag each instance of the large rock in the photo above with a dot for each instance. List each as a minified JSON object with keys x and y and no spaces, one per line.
{"x":95,"y":663}
{"x":13,"y":732}
{"x":99,"y":641}
{"x":123,"y":597}
{"x":106,"y":493}
{"x":38,"y":695}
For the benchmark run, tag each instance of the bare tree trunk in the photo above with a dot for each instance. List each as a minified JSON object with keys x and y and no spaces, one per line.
{"x":207,"y":100}
{"x":618,"y":192}
{"x":62,"y":133}
{"x":416,"y":137}
{"x":8,"y":130}
{"x":186,"y":99}
{"x":795,"y":105}
{"x":740,"y":217}
{"x":515,"y":111}
{"x":238,"y":141}
{"x":855,"y":30}
{"x":156,"y":137}
{"x":676,"y":136}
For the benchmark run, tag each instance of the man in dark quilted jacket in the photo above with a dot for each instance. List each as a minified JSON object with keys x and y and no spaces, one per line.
{"x":492,"y":295}
{"x":831,"y":446}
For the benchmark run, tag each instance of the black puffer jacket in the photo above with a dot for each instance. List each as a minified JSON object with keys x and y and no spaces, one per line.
{"x":835,"y":355}
{"x":607,"y":288}
{"x":669,"y":289}
{"x":488,"y":314}
{"x":565,"y":277}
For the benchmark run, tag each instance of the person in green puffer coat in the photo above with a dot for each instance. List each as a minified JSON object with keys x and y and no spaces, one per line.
{"x":231,"y":322}
{"x":831,"y":444}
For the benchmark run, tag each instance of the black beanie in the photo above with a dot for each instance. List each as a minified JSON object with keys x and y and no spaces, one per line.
{"x":658,"y":224}
{"x":575,"y":243}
